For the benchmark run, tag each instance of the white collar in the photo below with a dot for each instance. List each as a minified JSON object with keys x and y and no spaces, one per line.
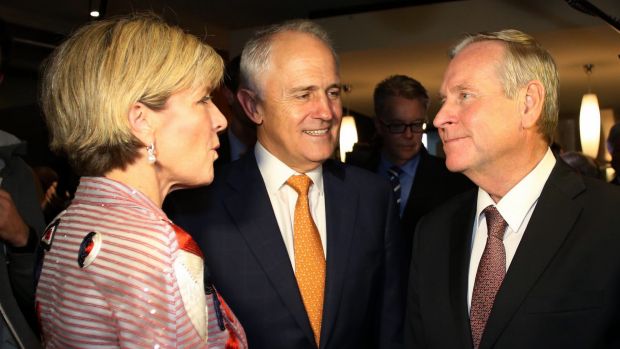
{"x":519,"y":200}
{"x":275,"y":172}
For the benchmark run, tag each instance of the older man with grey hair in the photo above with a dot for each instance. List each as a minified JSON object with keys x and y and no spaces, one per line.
{"x":306,"y":249}
{"x":530,"y":259}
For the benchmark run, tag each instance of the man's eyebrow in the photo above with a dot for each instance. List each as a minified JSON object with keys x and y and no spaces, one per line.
{"x":303,"y":89}
{"x":461,"y":87}
{"x":453,"y":89}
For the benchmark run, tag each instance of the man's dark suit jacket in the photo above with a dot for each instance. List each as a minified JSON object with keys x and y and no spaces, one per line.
{"x":562,"y":289}
{"x":433,"y":185}
{"x":234,"y":224}
{"x":184,"y":199}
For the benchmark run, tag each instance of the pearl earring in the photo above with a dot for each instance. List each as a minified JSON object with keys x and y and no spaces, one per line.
{"x":150,"y":149}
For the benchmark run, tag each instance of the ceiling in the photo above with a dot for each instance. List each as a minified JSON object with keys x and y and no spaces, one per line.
{"x":375,"y":38}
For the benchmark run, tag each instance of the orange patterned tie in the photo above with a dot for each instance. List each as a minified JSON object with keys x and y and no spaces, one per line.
{"x":309,"y":257}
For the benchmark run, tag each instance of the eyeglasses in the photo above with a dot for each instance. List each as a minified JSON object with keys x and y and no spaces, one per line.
{"x":415,"y":127}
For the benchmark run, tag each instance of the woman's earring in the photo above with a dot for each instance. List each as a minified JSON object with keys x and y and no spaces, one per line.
{"x":150,"y":149}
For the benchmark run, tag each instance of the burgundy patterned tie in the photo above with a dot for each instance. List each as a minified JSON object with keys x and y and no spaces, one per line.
{"x":490,"y":275}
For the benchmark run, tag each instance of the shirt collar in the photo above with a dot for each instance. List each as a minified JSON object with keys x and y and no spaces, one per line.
{"x":408,"y":167}
{"x":275,"y":172}
{"x":515,"y":205}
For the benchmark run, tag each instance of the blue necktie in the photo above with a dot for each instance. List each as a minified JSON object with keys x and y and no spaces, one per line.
{"x":394,"y":175}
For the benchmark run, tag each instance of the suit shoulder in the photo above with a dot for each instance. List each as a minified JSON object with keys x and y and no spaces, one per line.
{"x":601,"y":192}
{"x":452,"y":206}
{"x":434,"y":161}
{"x":194,"y":200}
{"x":356,"y":179}
{"x":364,"y":156}
{"x":360,"y":175}
{"x":593,"y":192}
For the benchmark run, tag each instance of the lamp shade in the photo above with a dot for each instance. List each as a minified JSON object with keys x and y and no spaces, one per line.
{"x":590,"y":125}
{"x":348,"y":136}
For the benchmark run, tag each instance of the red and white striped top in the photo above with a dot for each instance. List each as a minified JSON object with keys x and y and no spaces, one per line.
{"x":135,"y":293}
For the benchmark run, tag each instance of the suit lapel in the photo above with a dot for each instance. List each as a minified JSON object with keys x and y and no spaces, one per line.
{"x":340,"y":208}
{"x":460,"y":250}
{"x":541,"y":240}
{"x":423,"y":188}
{"x":420,"y":187}
{"x":251,"y":209}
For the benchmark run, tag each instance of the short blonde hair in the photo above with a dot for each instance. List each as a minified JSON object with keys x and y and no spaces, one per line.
{"x":92,"y":80}
{"x":525,"y":60}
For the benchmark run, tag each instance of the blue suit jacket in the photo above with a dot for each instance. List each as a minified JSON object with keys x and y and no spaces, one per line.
{"x":234,"y":223}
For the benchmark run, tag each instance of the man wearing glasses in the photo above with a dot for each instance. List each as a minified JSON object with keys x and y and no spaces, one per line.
{"x":420,"y":180}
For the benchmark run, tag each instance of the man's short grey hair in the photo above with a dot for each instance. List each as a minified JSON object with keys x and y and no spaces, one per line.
{"x":525,"y":60}
{"x":255,"y":57}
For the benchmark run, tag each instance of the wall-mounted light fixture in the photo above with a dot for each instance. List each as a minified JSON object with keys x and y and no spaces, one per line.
{"x":348,"y":129}
{"x":589,"y":120}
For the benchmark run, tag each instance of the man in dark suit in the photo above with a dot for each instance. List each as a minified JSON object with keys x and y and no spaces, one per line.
{"x":530,"y":259}
{"x":422,"y":180}
{"x":336,"y":280}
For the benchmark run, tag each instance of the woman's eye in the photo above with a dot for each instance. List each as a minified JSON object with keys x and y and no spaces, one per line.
{"x":205,"y":99}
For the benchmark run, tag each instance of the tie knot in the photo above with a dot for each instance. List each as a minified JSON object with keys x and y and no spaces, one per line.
{"x":496,"y":225}
{"x":300,"y":183}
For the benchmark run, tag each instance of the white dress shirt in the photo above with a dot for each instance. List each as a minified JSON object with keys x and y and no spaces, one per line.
{"x":283,"y":198}
{"x":516,"y":208}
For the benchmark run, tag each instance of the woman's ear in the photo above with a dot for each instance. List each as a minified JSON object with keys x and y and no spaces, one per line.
{"x":533,"y":102}
{"x":249,"y":103}
{"x":141,"y":123}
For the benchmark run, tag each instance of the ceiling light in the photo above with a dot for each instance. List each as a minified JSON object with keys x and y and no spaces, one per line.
{"x":590,"y":120}
{"x":348,"y":130}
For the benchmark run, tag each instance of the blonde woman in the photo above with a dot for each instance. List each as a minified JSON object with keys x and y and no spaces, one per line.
{"x":128,"y":101}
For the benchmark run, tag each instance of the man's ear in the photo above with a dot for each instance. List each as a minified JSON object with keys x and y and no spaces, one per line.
{"x":532,"y":103}
{"x":141,"y":123}
{"x":249,"y":102}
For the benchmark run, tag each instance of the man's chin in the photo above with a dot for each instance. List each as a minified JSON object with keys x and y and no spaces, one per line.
{"x":320,"y":155}
{"x":454,"y":166}
{"x":408,"y":155}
